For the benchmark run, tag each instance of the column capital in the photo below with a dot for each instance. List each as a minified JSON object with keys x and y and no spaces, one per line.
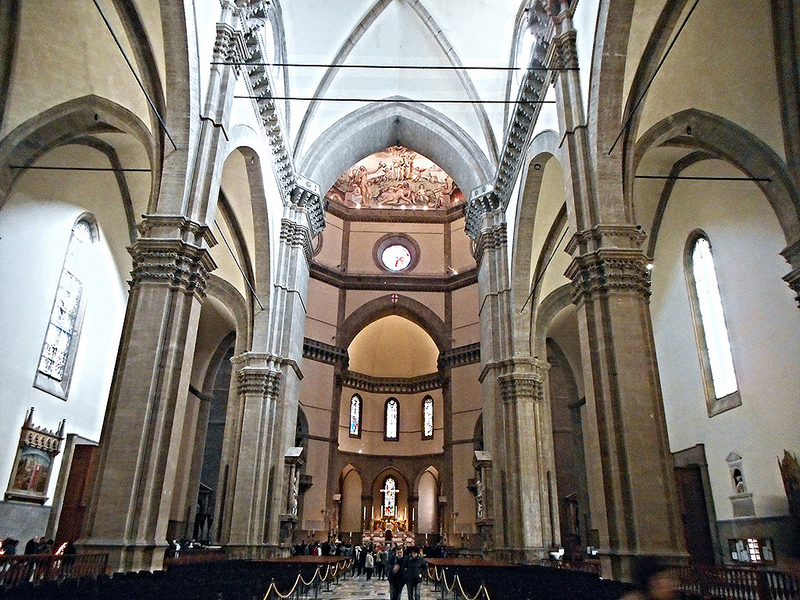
{"x":562,"y":52}
{"x":609,"y":270}
{"x":176,"y":227}
{"x":179,"y":264}
{"x":229,"y":45}
{"x":305,"y":196}
{"x":792,"y":255}
{"x":493,"y":237}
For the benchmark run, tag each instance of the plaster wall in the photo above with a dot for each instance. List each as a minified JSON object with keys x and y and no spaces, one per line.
{"x":35,"y":226}
{"x":761,"y":317}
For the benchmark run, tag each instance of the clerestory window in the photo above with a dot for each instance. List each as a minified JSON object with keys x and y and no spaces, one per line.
{"x":392,"y":420}
{"x":57,"y":357}
{"x":355,"y":416}
{"x":711,"y":332}
{"x":427,"y":418}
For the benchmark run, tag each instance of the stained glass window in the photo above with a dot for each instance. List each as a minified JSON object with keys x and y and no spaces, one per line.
{"x":427,"y":418}
{"x":389,"y":497}
{"x":355,"y":416}
{"x":392,"y":418}
{"x":64,"y":316}
{"x":396,"y":257}
{"x":714,"y":330}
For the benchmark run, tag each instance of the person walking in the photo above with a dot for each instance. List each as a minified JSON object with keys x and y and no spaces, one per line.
{"x":413,"y":571}
{"x":394,"y":573}
{"x":369,"y":564}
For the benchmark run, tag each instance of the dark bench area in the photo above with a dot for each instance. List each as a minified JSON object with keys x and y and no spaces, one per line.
{"x":207,"y":580}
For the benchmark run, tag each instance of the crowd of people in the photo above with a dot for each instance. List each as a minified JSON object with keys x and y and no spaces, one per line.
{"x":35,"y":545}
{"x":400,"y":567}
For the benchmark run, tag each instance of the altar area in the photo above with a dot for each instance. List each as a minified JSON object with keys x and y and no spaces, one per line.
{"x":388,"y":529}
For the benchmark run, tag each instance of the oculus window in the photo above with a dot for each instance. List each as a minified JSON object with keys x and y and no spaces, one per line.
{"x":57,"y":358}
{"x":396,"y":253}
{"x":711,"y":332}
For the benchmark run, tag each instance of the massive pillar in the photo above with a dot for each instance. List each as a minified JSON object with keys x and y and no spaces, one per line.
{"x":268,"y":394}
{"x":516,"y":419}
{"x":140,"y":448}
{"x":140,"y":443}
{"x":630,"y":474}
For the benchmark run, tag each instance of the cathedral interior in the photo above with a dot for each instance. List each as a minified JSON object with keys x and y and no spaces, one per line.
{"x":513,"y":276}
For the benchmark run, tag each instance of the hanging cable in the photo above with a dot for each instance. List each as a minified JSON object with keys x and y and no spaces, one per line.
{"x":543,"y":271}
{"x":246,"y":280}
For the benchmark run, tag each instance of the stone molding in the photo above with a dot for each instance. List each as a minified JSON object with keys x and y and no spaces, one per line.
{"x":298,"y":191}
{"x":176,"y":227}
{"x":298,"y":236}
{"x":459,"y":357}
{"x":532,"y":91}
{"x":792,"y":255}
{"x":491,"y":238}
{"x":172,"y":261}
{"x":387,"y":385}
{"x":524,"y":385}
{"x":325,"y":353}
{"x":793,"y":279}
{"x":630,"y":236}
{"x":259,"y":381}
{"x":605,"y":271}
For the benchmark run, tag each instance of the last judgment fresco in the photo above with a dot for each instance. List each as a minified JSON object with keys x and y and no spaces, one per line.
{"x":396,"y":178}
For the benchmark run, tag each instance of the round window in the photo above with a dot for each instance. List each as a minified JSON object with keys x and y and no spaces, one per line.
{"x":396,"y":253}
{"x":396,"y":257}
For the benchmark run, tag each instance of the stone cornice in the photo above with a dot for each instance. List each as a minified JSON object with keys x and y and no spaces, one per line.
{"x":531,"y":93}
{"x":296,"y":235}
{"x":458,"y":357}
{"x":265,"y":361}
{"x":562,"y":53}
{"x":295,"y":190}
{"x":389,"y":385}
{"x":325,"y":353}
{"x":609,"y":270}
{"x":392,"y":282}
{"x":384,"y":215}
{"x":617,"y":236}
{"x":171,"y":261}
{"x":176,"y":227}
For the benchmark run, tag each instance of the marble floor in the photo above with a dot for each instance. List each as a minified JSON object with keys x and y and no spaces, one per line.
{"x":358,"y":587}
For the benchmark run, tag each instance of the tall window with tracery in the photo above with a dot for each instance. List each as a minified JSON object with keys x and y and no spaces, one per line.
{"x":392,"y":419}
{"x":355,"y":416}
{"x":63,"y":330}
{"x":711,"y":331}
{"x":389,"y":497}
{"x":427,"y":418}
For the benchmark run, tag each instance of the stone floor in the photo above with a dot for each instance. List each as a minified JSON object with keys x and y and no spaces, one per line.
{"x":358,"y":587}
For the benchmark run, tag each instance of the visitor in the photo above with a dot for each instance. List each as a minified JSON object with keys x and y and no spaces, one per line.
{"x":413,"y":571}
{"x":369,"y":563}
{"x":653,"y":581}
{"x":394,"y":573}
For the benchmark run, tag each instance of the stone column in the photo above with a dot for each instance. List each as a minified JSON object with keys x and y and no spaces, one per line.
{"x":629,"y":467}
{"x":516,"y":421}
{"x":140,"y":443}
{"x":631,"y":483}
{"x":258,"y":381}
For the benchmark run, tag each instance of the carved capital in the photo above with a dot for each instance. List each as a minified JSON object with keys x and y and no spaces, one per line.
{"x":609,"y":271}
{"x":297,"y":236}
{"x":563,"y":52}
{"x":793,"y":279}
{"x":259,"y":381}
{"x":606,"y":236}
{"x":491,"y":238}
{"x":172,"y":262}
{"x":176,"y":227}
{"x":228,"y":45}
{"x":305,"y":196}
{"x":518,"y":387}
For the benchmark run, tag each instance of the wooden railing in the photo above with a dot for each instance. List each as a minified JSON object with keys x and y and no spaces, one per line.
{"x":737,"y":583}
{"x":33,"y":568}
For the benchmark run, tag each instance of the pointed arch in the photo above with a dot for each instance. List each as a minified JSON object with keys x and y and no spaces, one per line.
{"x":725,"y":140}
{"x":377,"y":126}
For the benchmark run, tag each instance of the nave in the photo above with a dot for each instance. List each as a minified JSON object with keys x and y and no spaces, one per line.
{"x":358,"y":587}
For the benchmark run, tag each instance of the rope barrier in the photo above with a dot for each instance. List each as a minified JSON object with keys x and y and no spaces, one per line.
{"x":442,"y":577}
{"x":346,"y":565}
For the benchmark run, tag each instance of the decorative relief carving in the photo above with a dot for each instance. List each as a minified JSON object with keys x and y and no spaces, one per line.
{"x":259,"y":381}
{"x":604,"y":271}
{"x":386,"y":385}
{"x":181,"y":265}
{"x":793,"y":279}
{"x":228,"y":45}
